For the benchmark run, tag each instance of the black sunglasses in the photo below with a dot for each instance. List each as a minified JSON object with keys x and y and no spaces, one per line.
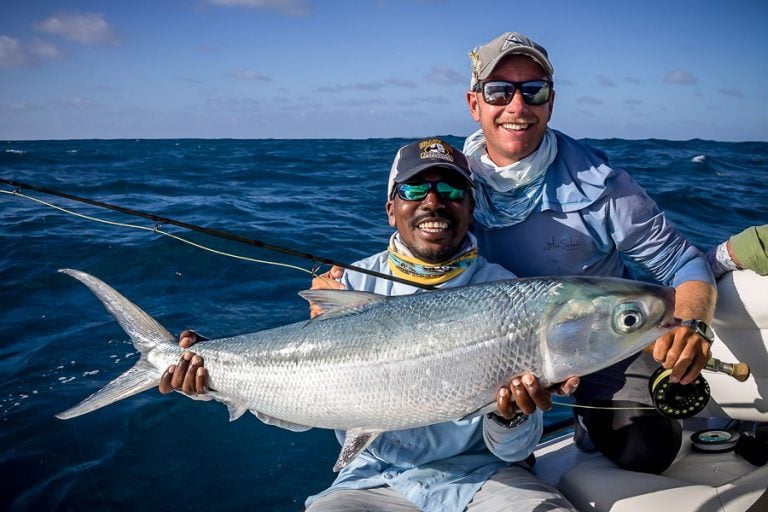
{"x":418,"y":191}
{"x":501,"y":92}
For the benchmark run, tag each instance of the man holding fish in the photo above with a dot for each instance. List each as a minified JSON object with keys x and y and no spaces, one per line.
{"x":548,"y":205}
{"x":456,"y":465}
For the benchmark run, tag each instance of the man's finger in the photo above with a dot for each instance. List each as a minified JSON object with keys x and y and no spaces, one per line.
{"x":190,"y":377}
{"x":201,"y":380}
{"x":177,"y":380}
{"x":165,"y":380}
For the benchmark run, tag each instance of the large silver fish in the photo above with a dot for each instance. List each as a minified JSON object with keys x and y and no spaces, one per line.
{"x":372,"y":363}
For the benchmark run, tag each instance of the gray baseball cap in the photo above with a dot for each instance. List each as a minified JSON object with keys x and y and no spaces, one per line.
{"x":486,"y":57}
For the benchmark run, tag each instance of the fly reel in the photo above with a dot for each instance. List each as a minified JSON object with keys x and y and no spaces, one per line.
{"x":677,"y":400}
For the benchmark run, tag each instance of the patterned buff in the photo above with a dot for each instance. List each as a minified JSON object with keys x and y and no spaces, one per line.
{"x":406,"y":266}
{"x":506,"y":195}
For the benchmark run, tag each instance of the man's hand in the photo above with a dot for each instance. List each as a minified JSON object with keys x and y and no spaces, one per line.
{"x":189,"y":375}
{"x":327,"y":281}
{"x":684,"y":351}
{"x":525,"y":394}
{"x":681,"y":349}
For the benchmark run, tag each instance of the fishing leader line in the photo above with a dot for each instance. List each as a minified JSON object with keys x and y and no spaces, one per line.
{"x":208,"y":231}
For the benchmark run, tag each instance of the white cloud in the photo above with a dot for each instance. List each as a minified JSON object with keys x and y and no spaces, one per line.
{"x":286,"y":7}
{"x":15,"y":53}
{"x":43,"y":50}
{"x":86,"y":28}
{"x":11,"y":52}
{"x":679,"y":76}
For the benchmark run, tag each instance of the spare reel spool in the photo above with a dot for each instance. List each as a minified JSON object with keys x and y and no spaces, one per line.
{"x":677,"y":400}
{"x":714,"y":441}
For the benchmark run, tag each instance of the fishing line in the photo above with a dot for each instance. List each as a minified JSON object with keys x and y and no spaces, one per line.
{"x":209,"y":231}
{"x":600,"y":408}
{"x":157,"y":230}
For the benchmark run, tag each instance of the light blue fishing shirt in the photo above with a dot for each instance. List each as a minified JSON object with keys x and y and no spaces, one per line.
{"x":439,"y":467}
{"x":593,"y":220}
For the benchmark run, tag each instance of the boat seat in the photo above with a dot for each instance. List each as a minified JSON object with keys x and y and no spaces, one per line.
{"x":701,"y":482}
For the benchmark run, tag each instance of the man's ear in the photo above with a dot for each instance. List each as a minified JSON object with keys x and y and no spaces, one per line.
{"x":391,"y":213}
{"x":474,"y":108}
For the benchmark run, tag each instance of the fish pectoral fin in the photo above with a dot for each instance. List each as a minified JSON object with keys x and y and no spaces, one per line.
{"x":277,"y":422}
{"x":355,"y":442}
{"x":489,"y":407}
{"x":336,"y":303}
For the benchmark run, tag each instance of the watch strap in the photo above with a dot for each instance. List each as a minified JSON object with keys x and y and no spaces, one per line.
{"x":701,"y":328}
{"x":515,"y":421}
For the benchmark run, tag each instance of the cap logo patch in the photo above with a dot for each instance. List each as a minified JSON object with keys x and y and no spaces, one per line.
{"x":512,"y":40}
{"x":434,"y":148}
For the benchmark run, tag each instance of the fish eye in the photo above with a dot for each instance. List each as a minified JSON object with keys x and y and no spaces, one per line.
{"x":628,"y":317}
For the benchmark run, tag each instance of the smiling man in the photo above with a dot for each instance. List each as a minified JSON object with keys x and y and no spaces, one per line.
{"x":472,"y":465}
{"x":547,"y":204}
{"x":457,"y":465}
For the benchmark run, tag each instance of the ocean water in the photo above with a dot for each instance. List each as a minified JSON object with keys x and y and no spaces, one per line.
{"x":325,"y":197}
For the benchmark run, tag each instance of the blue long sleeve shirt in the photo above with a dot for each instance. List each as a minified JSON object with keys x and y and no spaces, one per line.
{"x":438,"y":467}
{"x":594,"y":220}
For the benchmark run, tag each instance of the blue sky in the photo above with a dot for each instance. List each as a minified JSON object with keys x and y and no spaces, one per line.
{"x":372,"y":68}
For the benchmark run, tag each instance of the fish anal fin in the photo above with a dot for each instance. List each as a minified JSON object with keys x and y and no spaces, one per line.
{"x":336,"y":303}
{"x":277,"y":422}
{"x":355,"y":442}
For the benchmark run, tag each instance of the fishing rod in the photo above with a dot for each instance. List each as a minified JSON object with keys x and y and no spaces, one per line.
{"x":673,"y":400}
{"x":218,"y":233}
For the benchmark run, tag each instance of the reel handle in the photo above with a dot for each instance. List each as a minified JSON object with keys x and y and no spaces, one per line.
{"x":739,"y":371}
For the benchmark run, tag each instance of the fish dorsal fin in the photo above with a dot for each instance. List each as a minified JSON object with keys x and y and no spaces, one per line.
{"x":355,"y":441}
{"x":337,"y":303}
{"x":277,"y":422}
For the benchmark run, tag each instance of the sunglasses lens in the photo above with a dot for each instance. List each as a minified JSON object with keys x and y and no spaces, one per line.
{"x":498,"y":93}
{"x":535,"y":92}
{"x":449,"y":192}
{"x":418,"y":191}
{"x":413,"y":192}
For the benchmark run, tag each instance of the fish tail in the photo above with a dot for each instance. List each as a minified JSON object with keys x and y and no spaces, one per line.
{"x":144,"y":331}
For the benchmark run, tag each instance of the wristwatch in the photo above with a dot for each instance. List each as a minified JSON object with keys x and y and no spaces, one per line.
{"x":701,"y":328}
{"x":515,"y":421}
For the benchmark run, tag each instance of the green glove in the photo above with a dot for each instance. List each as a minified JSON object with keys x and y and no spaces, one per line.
{"x":750,"y":248}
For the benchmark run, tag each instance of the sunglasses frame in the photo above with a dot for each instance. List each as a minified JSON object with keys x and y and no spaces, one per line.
{"x":517,"y":86}
{"x":433,"y":185}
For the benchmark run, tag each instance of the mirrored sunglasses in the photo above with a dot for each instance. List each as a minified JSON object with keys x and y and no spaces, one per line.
{"x":418,"y":191}
{"x":501,"y":92}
